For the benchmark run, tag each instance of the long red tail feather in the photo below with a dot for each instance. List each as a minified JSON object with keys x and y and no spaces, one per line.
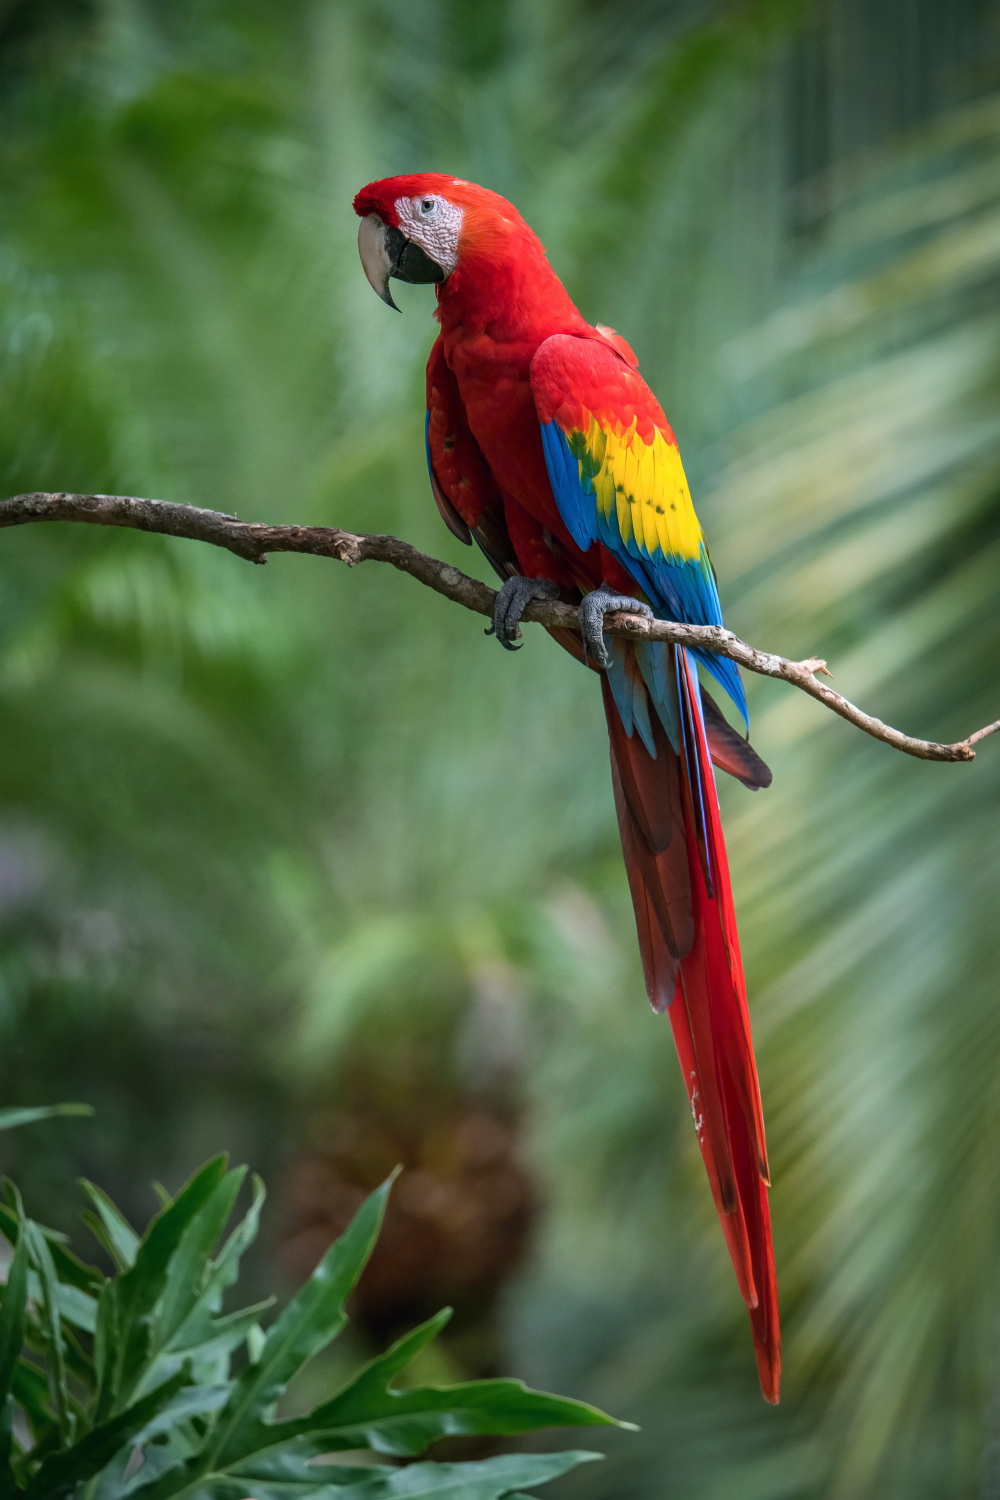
{"x":668,"y":815}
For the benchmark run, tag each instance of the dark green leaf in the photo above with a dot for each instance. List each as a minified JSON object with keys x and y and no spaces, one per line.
{"x":159,"y":1312}
{"x":71,"y":1269}
{"x":62,"y":1471}
{"x":489,"y":1479}
{"x":10,"y":1119}
{"x":74,"y":1272}
{"x":140,"y":1288}
{"x":30,"y":1390}
{"x":52,"y":1327}
{"x":313,"y":1317}
{"x":166,"y":1442}
{"x":165,"y":1454}
{"x":79,"y":1366}
{"x":8,"y":1482}
{"x":105,"y":1344}
{"x":224,"y":1333}
{"x":75,"y":1307}
{"x":290,"y":1464}
{"x":187,"y":1271}
{"x":208,"y":1356}
{"x":13,"y":1315}
{"x":226,"y":1267}
{"x":110,"y":1227}
{"x":274,"y":1478}
{"x":200,"y":1335}
{"x":368,"y":1414}
{"x":189,"y":1401}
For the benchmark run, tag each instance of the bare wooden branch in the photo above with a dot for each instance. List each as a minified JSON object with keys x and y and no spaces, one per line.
{"x":253,"y":541}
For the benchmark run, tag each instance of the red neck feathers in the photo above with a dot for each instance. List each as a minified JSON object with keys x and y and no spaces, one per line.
{"x":503,"y":285}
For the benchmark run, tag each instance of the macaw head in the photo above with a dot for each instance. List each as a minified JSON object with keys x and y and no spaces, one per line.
{"x":421,"y":227}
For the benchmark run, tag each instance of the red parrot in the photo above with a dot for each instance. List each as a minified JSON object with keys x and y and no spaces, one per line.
{"x":547,"y":448}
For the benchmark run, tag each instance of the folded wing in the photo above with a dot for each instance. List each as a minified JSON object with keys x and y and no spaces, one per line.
{"x":617,"y":477}
{"x":465,"y":491}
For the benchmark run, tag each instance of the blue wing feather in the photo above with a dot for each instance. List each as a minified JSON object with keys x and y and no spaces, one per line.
{"x":577,"y":510}
{"x":677,"y":590}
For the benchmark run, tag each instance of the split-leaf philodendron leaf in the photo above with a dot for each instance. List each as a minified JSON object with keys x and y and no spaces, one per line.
{"x":125,"y":1385}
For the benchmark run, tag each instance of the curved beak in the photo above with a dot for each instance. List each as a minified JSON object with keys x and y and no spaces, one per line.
{"x":375,"y":258}
{"x":386,"y":252}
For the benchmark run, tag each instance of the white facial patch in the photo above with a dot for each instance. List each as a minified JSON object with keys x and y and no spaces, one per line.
{"x":435,"y":225}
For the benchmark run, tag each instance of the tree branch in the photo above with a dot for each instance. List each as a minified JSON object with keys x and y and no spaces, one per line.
{"x":254,"y":540}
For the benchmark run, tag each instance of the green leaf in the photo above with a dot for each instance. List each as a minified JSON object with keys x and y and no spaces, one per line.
{"x":157,"y":1316}
{"x":79,"y":1366}
{"x":226,"y":1267}
{"x":368,"y":1414}
{"x":228,"y":1331}
{"x":200,"y":1335}
{"x":313,"y":1317}
{"x":489,"y":1479}
{"x":74,"y":1272}
{"x":256,"y":1339}
{"x":10,"y":1119}
{"x":52,"y":1327}
{"x":30,"y":1390}
{"x":284,"y":1476}
{"x":165,"y":1442}
{"x":62,"y":1471}
{"x":208,"y":1355}
{"x":189,"y":1401}
{"x":75,"y":1307}
{"x":8,"y":1481}
{"x":105,"y":1344}
{"x":290,"y":1465}
{"x":167,"y":1454}
{"x":110,"y":1227}
{"x":13,"y":1315}
{"x":71,"y":1269}
{"x":141,"y":1287}
{"x":228,"y":1334}
{"x":184,"y":1286}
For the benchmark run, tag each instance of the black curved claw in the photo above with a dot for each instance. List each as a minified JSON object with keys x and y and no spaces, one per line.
{"x":593,"y":607}
{"x":511,"y":602}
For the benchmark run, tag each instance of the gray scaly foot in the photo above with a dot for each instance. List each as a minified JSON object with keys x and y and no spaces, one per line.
{"x":511,"y":602}
{"x":593,"y":607}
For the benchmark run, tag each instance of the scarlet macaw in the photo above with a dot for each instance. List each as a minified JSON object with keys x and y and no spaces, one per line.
{"x":547,"y":447}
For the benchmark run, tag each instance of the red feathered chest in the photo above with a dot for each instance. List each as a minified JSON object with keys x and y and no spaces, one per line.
{"x":493,"y":318}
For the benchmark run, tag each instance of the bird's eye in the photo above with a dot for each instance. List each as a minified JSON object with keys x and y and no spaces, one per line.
{"x":427,"y":205}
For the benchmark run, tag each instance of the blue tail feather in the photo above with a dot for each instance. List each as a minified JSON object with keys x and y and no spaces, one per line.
{"x":629,"y":695}
{"x":653,"y":658}
{"x":727,"y":675}
{"x":689,"y":692}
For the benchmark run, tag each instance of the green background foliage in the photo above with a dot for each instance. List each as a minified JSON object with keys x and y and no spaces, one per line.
{"x":256,"y":822}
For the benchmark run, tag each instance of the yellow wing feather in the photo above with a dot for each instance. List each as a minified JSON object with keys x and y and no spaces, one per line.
{"x":643,"y":487}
